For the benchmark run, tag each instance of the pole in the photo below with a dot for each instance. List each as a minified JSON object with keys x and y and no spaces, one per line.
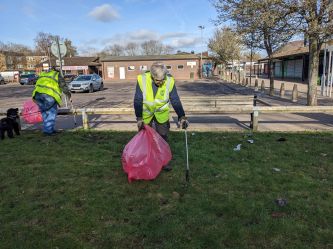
{"x":49,"y":55}
{"x":323,"y":78}
{"x":201,"y":27}
{"x":187,"y":174}
{"x":59,"y":56}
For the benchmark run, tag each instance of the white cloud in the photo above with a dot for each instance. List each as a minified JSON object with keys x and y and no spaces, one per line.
{"x":184,"y":42}
{"x":173,"y":35}
{"x":104,"y":13}
{"x":143,"y":35}
{"x":178,"y":40}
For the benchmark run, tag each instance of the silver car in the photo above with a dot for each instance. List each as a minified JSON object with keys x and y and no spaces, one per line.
{"x":86,"y":83}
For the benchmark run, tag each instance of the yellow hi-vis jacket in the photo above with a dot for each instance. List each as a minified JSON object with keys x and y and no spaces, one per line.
{"x":48,"y":83}
{"x":157,"y":106}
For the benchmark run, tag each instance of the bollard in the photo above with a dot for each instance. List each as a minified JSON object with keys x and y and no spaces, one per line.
{"x":256,"y":85}
{"x":282,"y":90}
{"x":85,"y":120}
{"x":294,"y":94}
{"x":263,"y":86}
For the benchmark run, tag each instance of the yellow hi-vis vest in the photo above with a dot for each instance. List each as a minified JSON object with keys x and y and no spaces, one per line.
{"x":157,"y":106}
{"x":48,"y":83}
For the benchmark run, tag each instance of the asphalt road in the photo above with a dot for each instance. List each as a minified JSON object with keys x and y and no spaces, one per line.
{"x":121,"y":95}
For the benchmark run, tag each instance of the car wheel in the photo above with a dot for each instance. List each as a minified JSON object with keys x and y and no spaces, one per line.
{"x":91,"y":89}
{"x":101,"y":86}
{"x":2,"y":82}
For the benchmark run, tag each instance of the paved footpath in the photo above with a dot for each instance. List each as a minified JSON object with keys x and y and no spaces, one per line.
{"x":121,"y":95}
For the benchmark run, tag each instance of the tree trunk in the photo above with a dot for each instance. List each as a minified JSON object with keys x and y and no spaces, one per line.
{"x":271,"y":77}
{"x":314,"y":50}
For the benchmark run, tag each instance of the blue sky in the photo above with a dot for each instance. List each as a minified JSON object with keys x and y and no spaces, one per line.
{"x":94,"y":24}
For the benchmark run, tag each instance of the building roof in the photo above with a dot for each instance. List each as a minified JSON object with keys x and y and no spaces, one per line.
{"x":151,"y":57}
{"x":74,"y":61}
{"x":294,"y":48}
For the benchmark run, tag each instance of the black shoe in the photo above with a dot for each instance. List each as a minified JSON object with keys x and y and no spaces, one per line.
{"x":49,"y":134}
{"x":167,"y":167}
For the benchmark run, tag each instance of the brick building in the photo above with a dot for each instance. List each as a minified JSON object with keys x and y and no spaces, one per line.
{"x":13,"y":61}
{"x":127,"y":68}
{"x":74,"y":65}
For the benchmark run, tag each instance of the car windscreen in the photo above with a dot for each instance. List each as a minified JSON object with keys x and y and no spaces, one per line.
{"x":27,"y":76}
{"x":83,"y":78}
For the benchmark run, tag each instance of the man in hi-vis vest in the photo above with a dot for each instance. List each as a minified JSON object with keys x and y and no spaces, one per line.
{"x":154,"y":92}
{"x":47,"y":95}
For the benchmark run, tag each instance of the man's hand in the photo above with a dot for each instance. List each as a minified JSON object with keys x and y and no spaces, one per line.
{"x":183,"y":122}
{"x":140,"y":124}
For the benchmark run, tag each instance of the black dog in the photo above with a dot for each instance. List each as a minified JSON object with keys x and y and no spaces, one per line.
{"x":10,"y":123}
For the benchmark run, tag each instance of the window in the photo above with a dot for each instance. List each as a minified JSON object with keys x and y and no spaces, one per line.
{"x":168,"y":67}
{"x":131,"y":68}
{"x":19,"y":66}
{"x":180,"y":67}
{"x":143,"y":68}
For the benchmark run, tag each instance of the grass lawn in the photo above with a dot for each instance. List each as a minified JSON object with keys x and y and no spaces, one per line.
{"x":69,"y":191}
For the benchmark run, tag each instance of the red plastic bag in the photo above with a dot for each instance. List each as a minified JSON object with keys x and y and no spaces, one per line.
{"x":31,"y":113}
{"x":145,"y":155}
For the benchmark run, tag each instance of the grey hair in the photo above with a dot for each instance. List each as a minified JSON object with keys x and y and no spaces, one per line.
{"x":158,"y":70}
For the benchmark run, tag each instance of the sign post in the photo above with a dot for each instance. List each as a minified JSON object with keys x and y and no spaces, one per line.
{"x":59,"y":50}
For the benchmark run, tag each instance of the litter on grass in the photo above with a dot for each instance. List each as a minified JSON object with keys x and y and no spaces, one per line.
{"x":238,"y":147}
{"x":251,"y":141}
{"x":281,"y":202}
{"x":276,"y":169}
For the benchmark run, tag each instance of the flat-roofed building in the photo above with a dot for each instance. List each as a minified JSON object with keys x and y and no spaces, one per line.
{"x":127,"y":68}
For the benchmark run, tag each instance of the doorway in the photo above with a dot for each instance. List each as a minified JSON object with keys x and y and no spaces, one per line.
{"x":122,"y":73}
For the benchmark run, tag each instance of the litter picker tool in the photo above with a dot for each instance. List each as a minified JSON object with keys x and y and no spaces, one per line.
{"x":187,"y":172}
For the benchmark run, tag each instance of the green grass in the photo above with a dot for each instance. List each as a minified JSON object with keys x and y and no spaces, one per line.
{"x":69,"y":191}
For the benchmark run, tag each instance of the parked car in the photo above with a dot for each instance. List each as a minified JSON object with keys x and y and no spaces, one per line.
{"x":86,"y":83}
{"x":2,"y":80}
{"x":69,"y":77}
{"x":28,"y":79}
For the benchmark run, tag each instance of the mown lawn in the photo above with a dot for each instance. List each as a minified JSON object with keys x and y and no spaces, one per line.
{"x":69,"y":191}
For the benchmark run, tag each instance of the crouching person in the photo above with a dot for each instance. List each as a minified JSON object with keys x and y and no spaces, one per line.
{"x":154,"y":92}
{"x":47,"y":95}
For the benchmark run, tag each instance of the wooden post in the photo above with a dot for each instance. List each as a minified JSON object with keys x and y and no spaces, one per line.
{"x":263,"y":86}
{"x":294,"y":94}
{"x":85,"y":120}
{"x":256,"y":85}
{"x":282,"y":90}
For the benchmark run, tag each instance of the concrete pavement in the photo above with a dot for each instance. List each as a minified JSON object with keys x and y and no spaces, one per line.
{"x":121,"y":95}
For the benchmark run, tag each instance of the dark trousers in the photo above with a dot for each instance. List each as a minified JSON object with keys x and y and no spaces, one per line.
{"x":162,"y":129}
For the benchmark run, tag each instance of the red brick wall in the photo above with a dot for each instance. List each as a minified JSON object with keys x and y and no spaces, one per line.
{"x":131,"y":75}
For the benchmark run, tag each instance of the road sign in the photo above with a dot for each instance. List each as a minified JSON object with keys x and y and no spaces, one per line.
{"x":58,"y":62}
{"x":62,"y":47}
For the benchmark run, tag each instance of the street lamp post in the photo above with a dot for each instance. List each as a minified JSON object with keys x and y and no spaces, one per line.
{"x":201,"y":27}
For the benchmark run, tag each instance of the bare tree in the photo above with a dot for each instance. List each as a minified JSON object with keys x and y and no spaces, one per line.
{"x":132,"y":49}
{"x":42,"y":42}
{"x":152,"y":47}
{"x":114,"y":50}
{"x":316,"y":19}
{"x":71,"y":50}
{"x":167,"y":49}
{"x":266,"y":24}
